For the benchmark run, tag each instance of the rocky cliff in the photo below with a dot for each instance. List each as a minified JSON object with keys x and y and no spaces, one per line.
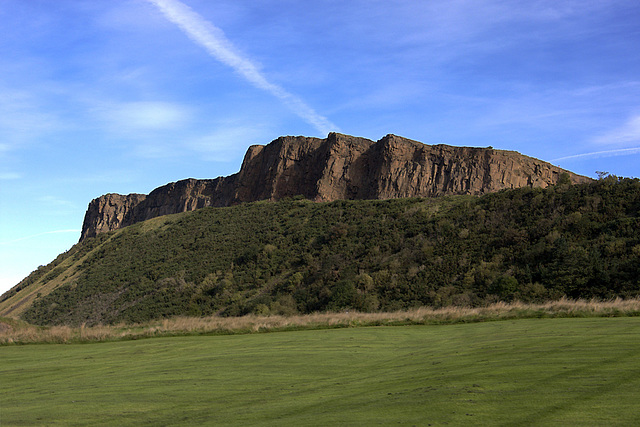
{"x":338,"y":167}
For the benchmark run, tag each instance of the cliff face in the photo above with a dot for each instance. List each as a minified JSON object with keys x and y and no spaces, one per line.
{"x":113,"y":211}
{"x":338,"y":167}
{"x":108,"y":212}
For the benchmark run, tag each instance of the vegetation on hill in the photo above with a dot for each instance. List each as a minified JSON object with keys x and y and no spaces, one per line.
{"x":296,"y":256}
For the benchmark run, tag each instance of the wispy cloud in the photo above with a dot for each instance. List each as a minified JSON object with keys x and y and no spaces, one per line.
{"x":625,"y":135}
{"x":599,"y":154}
{"x":53,"y":200}
{"x":628,"y":133}
{"x":220,"y":145}
{"x":155,"y":150}
{"x":9,"y":176}
{"x":23,"y":118}
{"x":218,"y":46}
{"x":145,"y":115}
{"x":8,"y":242}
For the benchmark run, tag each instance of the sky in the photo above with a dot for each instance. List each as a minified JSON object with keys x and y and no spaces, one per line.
{"x":123,"y":96}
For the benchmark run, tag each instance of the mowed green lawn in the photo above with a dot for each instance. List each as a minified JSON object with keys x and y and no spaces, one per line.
{"x":525,"y":372}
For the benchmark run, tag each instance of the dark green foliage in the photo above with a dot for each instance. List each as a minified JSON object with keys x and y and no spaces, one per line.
{"x":295,"y":256}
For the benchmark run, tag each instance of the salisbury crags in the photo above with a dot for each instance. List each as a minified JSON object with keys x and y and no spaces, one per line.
{"x":338,"y":167}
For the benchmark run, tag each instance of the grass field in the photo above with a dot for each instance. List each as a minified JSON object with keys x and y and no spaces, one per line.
{"x":580,"y":371}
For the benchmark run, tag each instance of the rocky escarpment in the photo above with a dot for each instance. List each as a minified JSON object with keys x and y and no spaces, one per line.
{"x":338,"y":167}
{"x":109,"y":212}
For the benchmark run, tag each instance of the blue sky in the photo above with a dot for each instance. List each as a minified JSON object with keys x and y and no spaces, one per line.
{"x":123,"y":96}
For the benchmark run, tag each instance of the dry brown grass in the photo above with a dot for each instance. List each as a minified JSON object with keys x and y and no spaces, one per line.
{"x":16,"y":332}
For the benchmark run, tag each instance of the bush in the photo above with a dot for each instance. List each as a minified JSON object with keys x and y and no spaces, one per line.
{"x":579,"y":241}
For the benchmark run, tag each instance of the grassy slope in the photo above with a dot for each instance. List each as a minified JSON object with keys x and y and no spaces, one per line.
{"x":295,"y":256}
{"x":524,"y":372}
{"x":63,"y":270}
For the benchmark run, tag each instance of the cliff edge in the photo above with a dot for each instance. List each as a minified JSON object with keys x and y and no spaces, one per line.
{"x":334,"y":168}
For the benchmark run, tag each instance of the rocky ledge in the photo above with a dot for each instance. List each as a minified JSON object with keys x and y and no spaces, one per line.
{"x":334,"y":168}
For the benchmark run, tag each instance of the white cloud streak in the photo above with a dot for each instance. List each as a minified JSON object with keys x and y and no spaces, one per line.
{"x":8,"y":242}
{"x":141,"y":116}
{"x":627,"y":133}
{"x":218,"y":46}
{"x":606,"y":153}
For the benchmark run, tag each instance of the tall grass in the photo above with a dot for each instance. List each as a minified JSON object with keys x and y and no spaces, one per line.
{"x":17,"y":332}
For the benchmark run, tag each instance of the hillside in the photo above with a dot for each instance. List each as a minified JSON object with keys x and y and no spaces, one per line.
{"x":339,"y":167}
{"x":297,"y":256}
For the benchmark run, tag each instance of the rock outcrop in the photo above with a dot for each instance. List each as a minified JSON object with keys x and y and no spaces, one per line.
{"x":108,"y":212}
{"x":338,"y":167}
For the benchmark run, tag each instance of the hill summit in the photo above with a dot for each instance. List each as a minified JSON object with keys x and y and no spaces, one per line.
{"x":339,"y":167}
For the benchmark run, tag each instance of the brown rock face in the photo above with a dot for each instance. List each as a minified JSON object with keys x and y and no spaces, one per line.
{"x":113,"y":211}
{"x":338,"y":167}
{"x":108,"y":213}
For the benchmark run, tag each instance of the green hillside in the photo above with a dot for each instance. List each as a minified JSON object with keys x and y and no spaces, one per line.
{"x":296,"y":256}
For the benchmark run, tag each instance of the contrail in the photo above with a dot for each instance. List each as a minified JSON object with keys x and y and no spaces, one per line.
{"x":606,"y":153}
{"x":217,"y":45}
{"x":38,"y":235}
